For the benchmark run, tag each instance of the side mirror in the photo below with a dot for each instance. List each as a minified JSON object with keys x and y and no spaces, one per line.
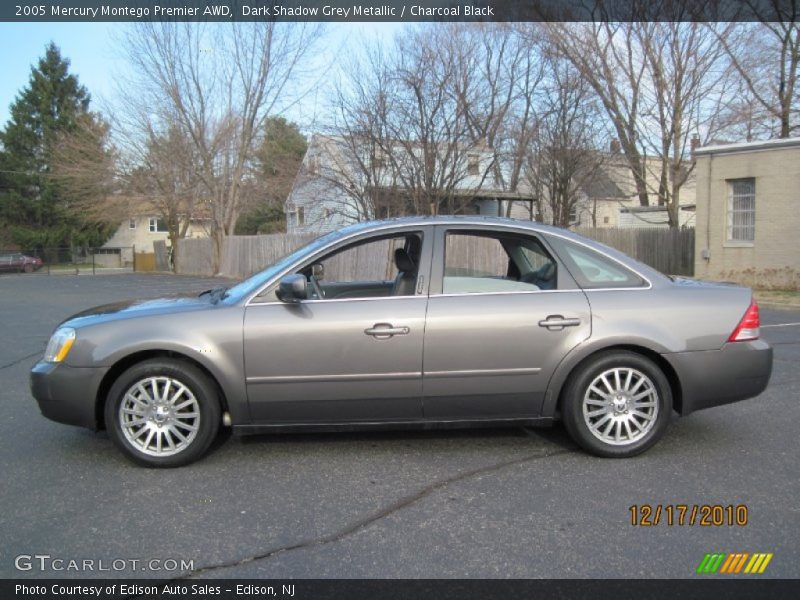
{"x":293,"y":288}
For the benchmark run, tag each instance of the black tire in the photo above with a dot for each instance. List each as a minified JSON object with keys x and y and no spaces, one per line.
{"x":622,"y":413}
{"x":155,"y":374}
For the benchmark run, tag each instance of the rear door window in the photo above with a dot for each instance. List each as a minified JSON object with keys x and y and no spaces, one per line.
{"x":492,"y":262}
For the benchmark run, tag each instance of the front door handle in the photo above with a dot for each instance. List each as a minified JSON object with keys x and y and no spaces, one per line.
{"x":383,"y":331}
{"x":558,"y":322}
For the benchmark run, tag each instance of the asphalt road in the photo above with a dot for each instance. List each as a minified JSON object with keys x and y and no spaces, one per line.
{"x":491,"y":503}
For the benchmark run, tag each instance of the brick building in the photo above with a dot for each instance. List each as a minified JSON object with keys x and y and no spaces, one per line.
{"x":748,"y":213}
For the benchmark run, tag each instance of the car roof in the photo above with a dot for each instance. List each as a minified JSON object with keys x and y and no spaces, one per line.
{"x":477,"y":220}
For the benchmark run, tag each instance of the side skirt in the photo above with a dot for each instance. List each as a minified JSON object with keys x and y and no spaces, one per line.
{"x":390,"y":425}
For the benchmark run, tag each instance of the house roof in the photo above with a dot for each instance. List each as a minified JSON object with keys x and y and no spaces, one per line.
{"x":654,"y":209}
{"x":523,"y":194}
{"x":600,"y":186}
{"x":749,"y":146}
{"x":340,"y":150}
{"x":146,"y":206}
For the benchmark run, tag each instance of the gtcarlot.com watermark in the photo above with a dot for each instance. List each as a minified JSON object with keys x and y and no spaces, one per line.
{"x":48,"y":563}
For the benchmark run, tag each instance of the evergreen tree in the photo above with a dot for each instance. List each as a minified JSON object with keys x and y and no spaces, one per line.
{"x":279,"y":158}
{"x":34,"y":209}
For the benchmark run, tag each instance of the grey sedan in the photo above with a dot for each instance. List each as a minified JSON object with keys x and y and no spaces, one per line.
{"x":418,"y":322}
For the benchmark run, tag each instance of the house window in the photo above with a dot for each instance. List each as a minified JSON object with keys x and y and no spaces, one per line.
{"x":301,"y":215}
{"x":158,"y":225}
{"x":132,"y":224}
{"x":741,"y":210}
{"x":313,"y":163}
{"x":473,"y":164}
{"x":573,"y":214}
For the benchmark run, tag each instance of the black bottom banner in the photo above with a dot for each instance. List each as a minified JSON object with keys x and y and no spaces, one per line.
{"x":400,"y":589}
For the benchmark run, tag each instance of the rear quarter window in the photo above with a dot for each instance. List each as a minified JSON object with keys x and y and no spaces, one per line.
{"x":593,"y":270}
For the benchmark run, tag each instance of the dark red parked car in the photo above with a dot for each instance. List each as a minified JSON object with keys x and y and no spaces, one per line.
{"x":20,"y":263}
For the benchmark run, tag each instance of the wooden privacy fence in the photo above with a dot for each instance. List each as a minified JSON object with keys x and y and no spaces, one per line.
{"x":195,"y":256}
{"x":242,"y":255}
{"x":670,"y":251}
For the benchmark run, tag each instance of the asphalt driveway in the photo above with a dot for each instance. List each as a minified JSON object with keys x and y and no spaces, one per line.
{"x":486,"y":503}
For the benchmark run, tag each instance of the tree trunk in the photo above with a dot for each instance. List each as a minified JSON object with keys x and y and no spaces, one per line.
{"x":219,"y":242}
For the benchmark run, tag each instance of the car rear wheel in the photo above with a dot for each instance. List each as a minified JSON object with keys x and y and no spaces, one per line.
{"x":163,"y":413}
{"x":617,"y":405}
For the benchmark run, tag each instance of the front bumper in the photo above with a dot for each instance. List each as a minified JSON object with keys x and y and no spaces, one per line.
{"x":738,"y":371}
{"x":67,"y":394}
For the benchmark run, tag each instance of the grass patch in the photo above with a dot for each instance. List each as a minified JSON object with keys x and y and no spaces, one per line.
{"x":778,"y":296}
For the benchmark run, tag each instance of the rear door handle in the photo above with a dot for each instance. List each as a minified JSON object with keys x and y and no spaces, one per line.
{"x":558,"y":322}
{"x":383,"y":331}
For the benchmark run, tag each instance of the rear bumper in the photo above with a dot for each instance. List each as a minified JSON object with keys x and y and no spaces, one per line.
{"x":67,"y":394}
{"x":737,"y":371}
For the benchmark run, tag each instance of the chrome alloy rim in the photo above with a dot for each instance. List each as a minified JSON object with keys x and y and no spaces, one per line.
{"x":159,"y":416}
{"x":620,"y":406}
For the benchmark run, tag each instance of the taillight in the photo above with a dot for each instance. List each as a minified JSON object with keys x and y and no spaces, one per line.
{"x":748,"y":327}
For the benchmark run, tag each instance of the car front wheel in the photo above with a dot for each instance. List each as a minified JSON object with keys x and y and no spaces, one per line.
{"x":617,"y":405}
{"x":163,"y":413}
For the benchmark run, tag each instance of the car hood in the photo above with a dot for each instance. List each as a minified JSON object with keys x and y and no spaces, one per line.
{"x":130,"y":309}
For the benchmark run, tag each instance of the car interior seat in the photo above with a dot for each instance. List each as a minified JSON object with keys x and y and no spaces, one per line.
{"x":406,"y":279}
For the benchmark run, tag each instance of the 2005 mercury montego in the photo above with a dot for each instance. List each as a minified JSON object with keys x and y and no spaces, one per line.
{"x":416,"y":322}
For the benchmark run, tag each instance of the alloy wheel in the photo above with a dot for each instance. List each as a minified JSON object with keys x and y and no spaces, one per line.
{"x":620,"y":406}
{"x":159,"y":416}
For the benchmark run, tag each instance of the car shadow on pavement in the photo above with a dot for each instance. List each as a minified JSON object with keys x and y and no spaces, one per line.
{"x":554,"y":435}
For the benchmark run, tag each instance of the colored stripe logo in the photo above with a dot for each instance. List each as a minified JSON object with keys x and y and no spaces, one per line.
{"x":735,"y":563}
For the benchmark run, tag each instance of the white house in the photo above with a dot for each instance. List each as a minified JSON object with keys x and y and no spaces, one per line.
{"x":609,"y":198}
{"x":338,"y":185}
{"x":139,"y":232}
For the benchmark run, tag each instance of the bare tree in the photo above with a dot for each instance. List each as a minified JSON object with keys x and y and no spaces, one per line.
{"x":660,"y":83}
{"x":357,"y":162}
{"x":427,"y":144}
{"x":86,"y":166}
{"x":605,"y":58}
{"x":167,"y":182}
{"x":417,"y":137}
{"x":217,"y":84}
{"x":766,"y":56}
{"x":105,"y":188}
{"x":686,"y":75}
{"x":499,"y":75}
{"x":563,"y":158}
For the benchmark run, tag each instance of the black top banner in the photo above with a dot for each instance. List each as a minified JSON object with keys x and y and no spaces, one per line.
{"x":400,"y":11}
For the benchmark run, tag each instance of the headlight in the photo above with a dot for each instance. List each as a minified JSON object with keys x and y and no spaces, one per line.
{"x":59,"y":345}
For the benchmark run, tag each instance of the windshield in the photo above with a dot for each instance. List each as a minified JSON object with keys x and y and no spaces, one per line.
{"x":256,"y":281}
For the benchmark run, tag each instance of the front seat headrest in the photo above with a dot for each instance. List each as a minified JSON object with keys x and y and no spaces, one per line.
{"x":403,"y":262}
